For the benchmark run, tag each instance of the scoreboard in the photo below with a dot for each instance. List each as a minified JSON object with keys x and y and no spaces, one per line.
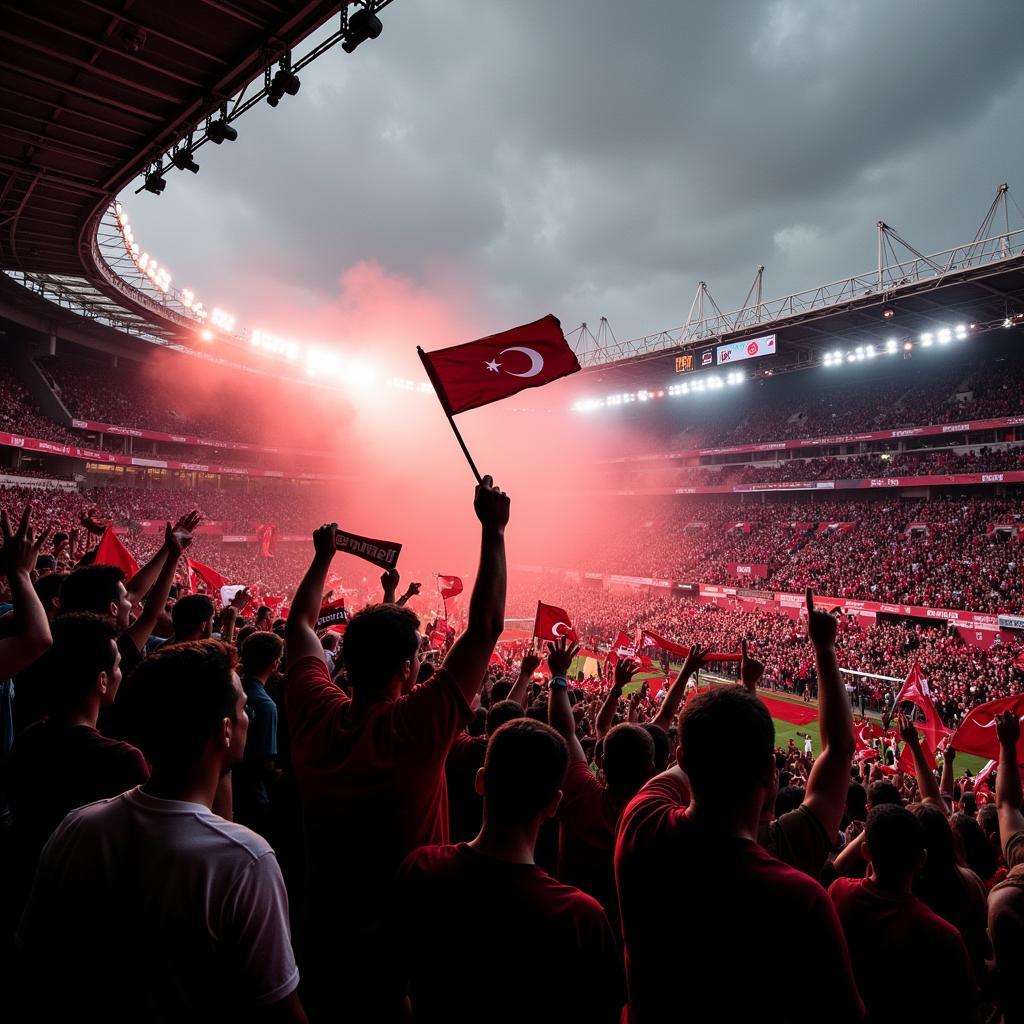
{"x":684,"y":363}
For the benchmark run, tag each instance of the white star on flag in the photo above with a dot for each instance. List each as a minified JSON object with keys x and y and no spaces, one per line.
{"x":493,"y":366}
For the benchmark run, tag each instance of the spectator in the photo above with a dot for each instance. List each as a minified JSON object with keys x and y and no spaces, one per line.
{"x":192,"y":618}
{"x":727,"y":761}
{"x":191,"y":908}
{"x":372,"y":765}
{"x":462,"y":909}
{"x":885,"y":925}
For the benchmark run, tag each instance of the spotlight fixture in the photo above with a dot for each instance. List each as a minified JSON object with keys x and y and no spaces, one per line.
{"x":155,"y":182}
{"x":362,"y":25}
{"x":182,"y":159}
{"x":888,"y":312}
{"x":220,"y":131}
{"x":284,"y":82}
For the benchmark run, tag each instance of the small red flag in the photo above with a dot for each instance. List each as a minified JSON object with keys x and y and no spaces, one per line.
{"x":649,"y":638}
{"x":977,"y":732}
{"x":553,"y":623}
{"x":213,"y":579}
{"x":915,"y":691}
{"x":450,"y":586}
{"x":499,"y":366}
{"x":111,"y":551}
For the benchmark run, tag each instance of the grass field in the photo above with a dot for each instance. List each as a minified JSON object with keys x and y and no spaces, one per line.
{"x":785,"y":730}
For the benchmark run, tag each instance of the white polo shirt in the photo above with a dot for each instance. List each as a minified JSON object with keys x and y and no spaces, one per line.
{"x":160,"y":910}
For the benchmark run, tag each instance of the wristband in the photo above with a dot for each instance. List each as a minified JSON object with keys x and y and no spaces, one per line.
{"x":559,"y":683}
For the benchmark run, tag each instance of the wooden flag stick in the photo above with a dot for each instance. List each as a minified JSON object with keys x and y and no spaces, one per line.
{"x":447,"y":412}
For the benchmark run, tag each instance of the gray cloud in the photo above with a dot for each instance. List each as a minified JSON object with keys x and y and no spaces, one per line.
{"x":593,"y":159}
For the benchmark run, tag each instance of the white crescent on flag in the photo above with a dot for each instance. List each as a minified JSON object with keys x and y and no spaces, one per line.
{"x":554,"y":628}
{"x":536,"y":360}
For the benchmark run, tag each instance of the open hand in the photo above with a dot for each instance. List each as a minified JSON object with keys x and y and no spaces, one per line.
{"x":625,"y":669}
{"x":531,"y":662}
{"x":179,"y":536}
{"x":21,"y":548}
{"x":693,"y":660}
{"x":560,"y":655}
{"x":751,"y":669}
{"x":1008,"y":728}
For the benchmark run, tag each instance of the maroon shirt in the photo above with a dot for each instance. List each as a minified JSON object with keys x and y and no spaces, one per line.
{"x":55,"y":768}
{"x":586,"y":851}
{"x":372,"y":790}
{"x":909,"y":963}
{"x":713,"y":950}
{"x":486,"y":940}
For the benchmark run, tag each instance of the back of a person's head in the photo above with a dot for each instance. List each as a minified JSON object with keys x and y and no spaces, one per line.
{"x":81,"y":650}
{"x":726,"y":741}
{"x":857,"y":802}
{"x":895,"y":841}
{"x":789,"y":798}
{"x":426,"y":671}
{"x":500,"y":692}
{"x":48,"y":589}
{"x":259,"y":651}
{"x":883,"y":793}
{"x":662,"y":747}
{"x":191,"y":614}
{"x":180,"y":695}
{"x":91,"y":588}
{"x":973,"y":845}
{"x":524,"y":769}
{"x":939,"y":880}
{"x":969,"y":804}
{"x":243,"y":634}
{"x":988,"y":819}
{"x":502,"y":712}
{"x":478,"y":724}
{"x":628,"y":757}
{"x":377,"y":641}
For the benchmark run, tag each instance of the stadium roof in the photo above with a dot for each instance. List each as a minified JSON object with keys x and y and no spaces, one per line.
{"x":93,"y":92}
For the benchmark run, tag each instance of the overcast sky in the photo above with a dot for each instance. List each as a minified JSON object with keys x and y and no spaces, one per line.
{"x":589,"y":158}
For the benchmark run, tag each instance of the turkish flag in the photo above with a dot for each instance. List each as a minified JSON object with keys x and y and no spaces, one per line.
{"x":906,"y":758}
{"x":499,"y":366}
{"x":213,"y":579}
{"x":976,"y":734}
{"x":111,"y":551}
{"x":450,"y":586}
{"x":915,"y":691}
{"x":553,"y":623}
{"x":651,"y":639}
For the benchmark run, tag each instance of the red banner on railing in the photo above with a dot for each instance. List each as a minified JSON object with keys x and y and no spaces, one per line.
{"x":758,"y":571}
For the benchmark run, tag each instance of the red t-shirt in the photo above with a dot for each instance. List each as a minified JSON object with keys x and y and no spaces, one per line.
{"x":909,"y":963}
{"x":713,"y":950}
{"x":481,"y":939}
{"x":372,"y":790}
{"x":586,"y":847}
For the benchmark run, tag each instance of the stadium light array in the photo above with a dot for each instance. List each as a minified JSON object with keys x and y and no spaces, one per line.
{"x":696,"y":386}
{"x":927,"y":339}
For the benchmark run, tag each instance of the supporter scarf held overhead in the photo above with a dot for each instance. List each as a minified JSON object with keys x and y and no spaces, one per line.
{"x":496,"y":367}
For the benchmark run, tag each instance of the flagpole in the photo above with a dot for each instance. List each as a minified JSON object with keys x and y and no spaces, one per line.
{"x":447,"y":412}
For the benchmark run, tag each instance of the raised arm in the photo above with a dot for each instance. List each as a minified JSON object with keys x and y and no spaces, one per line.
{"x":624,"y":672}
{"x":751,"y":671}
{"x":926,"y":784}
{"x":830,"y":777}
{"x":389,"y":581}
{"x":176,"y":539}
{"x":946,"y":782}
{"x":410,"y":591}
{"x":31,"y":637}
{"x":300,"y":636}
{"x":470,"y":654}
{"x":674,"y":698}
{"x":145,"y":579}
{"x":1009,"y":795}
{"x":530,"y":664}
{"x":560,"y":717}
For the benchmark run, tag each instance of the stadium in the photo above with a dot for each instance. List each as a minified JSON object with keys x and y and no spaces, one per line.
{"x":814,"y":501}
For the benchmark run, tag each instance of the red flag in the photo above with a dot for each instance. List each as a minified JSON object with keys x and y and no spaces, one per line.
{"x":265,"y":533}
{"x":437,"y":639}
{"x":977,"y":732}
{"x":450,"y":586}
{"x":651,"y":639}
{"x":111,"y":551}
{"x":213,"y":579}
{"x":1018,"y":662}
{"x":915,"y":691}
{"x":553,"y":623}
{"x":906,"y":758}
{"x":499,"y":366}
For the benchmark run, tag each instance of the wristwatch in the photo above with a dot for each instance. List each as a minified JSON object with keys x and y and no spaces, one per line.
{"x":559,"y":683}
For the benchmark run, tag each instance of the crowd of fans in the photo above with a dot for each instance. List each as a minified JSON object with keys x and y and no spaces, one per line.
{"x":250,"y":816}
{"x":939,"y":552}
